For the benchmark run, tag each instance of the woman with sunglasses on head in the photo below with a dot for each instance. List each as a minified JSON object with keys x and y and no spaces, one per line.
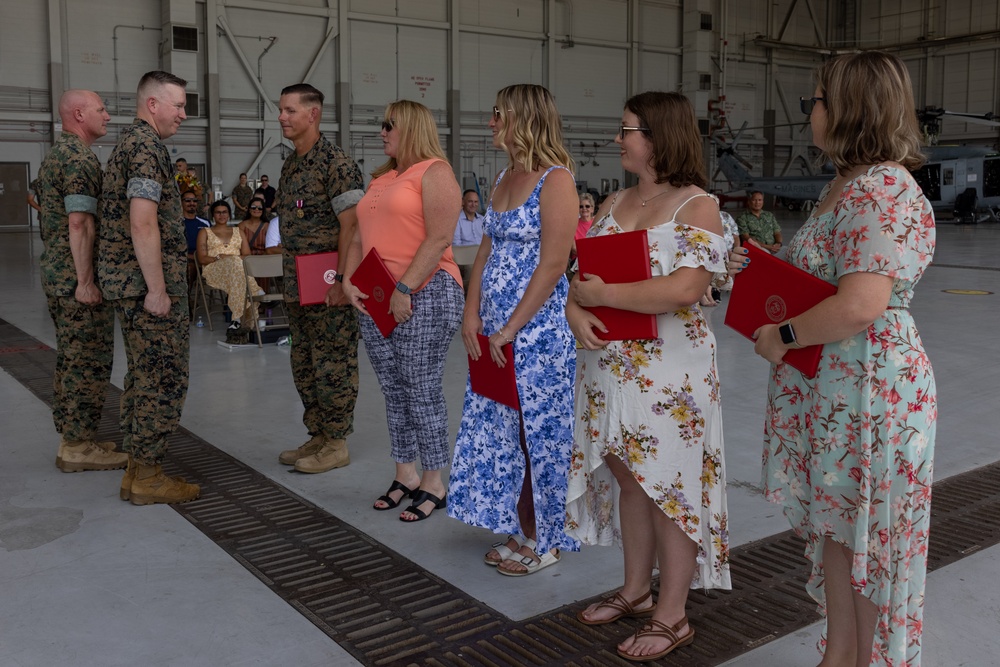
{"x":648,"y":461}
{"x":221,"y":250}
{"x":509,"y":469}
{"x":409,"y":215}
{"x":849,"y":453}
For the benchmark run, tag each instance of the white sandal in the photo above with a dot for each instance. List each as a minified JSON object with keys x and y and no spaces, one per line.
{"x":504,"y":550}
{"x":531,"y":565}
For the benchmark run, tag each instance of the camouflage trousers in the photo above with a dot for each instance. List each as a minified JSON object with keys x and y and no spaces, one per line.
{"x":156,"y":383}
{"x":325,"y":366}
{"x":85,"y":350}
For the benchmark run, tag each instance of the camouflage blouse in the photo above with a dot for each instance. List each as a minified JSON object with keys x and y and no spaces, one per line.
{"x":321,"y":183}
{"x":139,"y":167}
{"x":69,"y":181}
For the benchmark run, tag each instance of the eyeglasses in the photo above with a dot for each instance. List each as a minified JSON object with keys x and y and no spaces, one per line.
{"x":497,"y":114}
{"x":807,"y":104}
{"x":388,"y":125}
{"x":220,"y":211}
{"x":256,"y":208}
{"x":622,"y":129}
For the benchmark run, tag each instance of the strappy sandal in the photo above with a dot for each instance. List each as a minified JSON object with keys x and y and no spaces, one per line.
{"x":624,"y":608}
{"x":530,"y":564}
{"x":654,"y":628}
{"x":420,"y":497}
{"x":390,"y":503}
{"x":504,"y":551}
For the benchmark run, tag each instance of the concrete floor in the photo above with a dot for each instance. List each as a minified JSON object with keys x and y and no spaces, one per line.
{"x":89,"y":580}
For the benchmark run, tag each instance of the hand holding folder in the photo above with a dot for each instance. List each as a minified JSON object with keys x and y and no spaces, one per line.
{"x":316,"y":274}
{"x":373,"y":278}
{"x":618,"y":258}
{"x":489,"y":380}
{"x":770,"y":291}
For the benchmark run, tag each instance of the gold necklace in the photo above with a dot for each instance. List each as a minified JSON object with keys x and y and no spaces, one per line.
{"x":651,"y":198}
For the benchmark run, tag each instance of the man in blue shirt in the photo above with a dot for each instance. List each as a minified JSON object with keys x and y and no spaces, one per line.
{"x":470,"y":224}
{"x":192,"y":224}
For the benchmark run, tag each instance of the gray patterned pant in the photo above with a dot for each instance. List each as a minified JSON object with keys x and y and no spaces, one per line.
{"x":409,"y":365}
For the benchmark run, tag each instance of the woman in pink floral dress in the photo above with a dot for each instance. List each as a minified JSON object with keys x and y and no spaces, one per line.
{"x":648,"y":469}
{"x":849,"y":453}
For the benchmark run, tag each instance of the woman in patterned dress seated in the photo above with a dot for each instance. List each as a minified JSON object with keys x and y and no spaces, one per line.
{"x":849,"y":453}
{"x":221,"y":249}
{"x":648,"y":463}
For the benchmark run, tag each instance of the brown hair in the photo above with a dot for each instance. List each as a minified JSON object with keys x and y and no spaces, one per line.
{"x":870,"y":114}
{"x":308,"y":95}
{"x":418,"y":135}
{"x":532,"y":130}
{"x":677,"y":156}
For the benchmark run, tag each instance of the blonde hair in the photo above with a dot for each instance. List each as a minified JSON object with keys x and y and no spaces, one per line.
{"x":586,"y":196}
{"x":870,"y":113}
{"x":417,"y":135}
{"x":532,"y":128}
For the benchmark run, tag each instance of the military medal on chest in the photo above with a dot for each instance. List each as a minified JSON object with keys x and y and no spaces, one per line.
{"x":299,"y":213}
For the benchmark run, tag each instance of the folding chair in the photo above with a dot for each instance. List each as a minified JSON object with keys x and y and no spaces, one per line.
{"x":202,"y":297}
{"x":265,"y":266}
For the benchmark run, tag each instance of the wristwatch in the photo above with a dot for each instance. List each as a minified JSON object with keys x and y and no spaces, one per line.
{"x":403,"y":289}
{"x":339,"y":277}
{"x":788,"y":334}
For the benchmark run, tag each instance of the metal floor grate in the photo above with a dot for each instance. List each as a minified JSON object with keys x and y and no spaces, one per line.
{"x":386,"y":610}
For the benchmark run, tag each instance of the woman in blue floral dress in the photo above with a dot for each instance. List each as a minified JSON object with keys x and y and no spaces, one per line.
{"x":509,"y":468}
{"x":849,"y":453}
{"x":648,"y":462}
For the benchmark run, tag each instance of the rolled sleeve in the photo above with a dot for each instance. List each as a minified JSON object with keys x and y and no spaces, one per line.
{"x":346,"y":200}
{"x":144,"y":188}
{"x":273,"y":237}
{"x":80,"y":204}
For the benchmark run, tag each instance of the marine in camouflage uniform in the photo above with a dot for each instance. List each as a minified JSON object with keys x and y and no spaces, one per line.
{"x":68,"y":187}
{"x":315,"y":188}
{"x":157,"y":348}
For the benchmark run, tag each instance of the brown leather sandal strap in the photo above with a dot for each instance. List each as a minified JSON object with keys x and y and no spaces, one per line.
{"x":664,"y":630}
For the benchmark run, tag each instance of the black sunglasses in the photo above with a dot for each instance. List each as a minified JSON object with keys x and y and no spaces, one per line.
{"x":256,"y":208}
{"x":388,"y":125}
{"x":807,"y":104}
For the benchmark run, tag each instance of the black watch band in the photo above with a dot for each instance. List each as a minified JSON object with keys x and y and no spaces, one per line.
{"x":787,"y":333}
{"x":400,"y":287}
{"x":339,"y":277}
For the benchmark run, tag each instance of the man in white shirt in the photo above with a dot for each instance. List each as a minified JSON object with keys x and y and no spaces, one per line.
{"x":470,"y":224}
{"x":272,"y":240}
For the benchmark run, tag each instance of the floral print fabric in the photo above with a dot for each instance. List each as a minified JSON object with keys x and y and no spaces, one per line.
{"x":488,"y":466}
{"x":655,"y":405}
{"x":850,"y":453}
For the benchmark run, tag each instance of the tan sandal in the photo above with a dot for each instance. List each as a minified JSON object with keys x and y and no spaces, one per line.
{"x":624,"y":608}
{"x":654,"y":628}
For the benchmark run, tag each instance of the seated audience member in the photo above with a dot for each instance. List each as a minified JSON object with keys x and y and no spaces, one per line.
{"x":469,"y":230}
{"x":221,"y":249}
{"x":760,"y":225}
{"x":253,"y":227}
{"x":272,"y":243}
{"x":192,"y":225}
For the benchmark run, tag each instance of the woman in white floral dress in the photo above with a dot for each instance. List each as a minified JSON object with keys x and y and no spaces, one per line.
{"x":849,"y":453}
{"x":648,"y":469}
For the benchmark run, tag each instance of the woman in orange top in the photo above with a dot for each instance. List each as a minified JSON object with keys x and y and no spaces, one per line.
{"x":409,"y":214}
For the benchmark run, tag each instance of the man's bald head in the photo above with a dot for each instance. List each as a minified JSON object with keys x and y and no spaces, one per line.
{"x":82,"y":113}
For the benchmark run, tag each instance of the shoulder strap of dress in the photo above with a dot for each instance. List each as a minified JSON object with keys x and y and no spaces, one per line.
{"x":683,"y":203}
{"x":496,"y":184}
{"x":614,"y":200}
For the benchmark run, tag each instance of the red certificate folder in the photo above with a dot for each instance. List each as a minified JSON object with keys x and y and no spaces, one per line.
{"x":770,"y":291}
{"x":489,"y":380}
{"x":373,"y":278}
{"x":316,"y":273}
{"x":618,"y":258}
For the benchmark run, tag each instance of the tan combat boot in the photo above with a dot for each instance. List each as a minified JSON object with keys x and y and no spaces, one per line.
{"x":125,"y":492}
{"x":79,"y":455}
{"x":331,"y":455}
{"x":290,"y":456}
{"x":150,"y":486}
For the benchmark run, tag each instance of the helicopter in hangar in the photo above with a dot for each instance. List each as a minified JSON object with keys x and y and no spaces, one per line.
{"x":961,"y":180}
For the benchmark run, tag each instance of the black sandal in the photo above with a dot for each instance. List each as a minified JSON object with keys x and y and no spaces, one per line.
{"x":420,"y":497}
{"x":390,"y":503}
